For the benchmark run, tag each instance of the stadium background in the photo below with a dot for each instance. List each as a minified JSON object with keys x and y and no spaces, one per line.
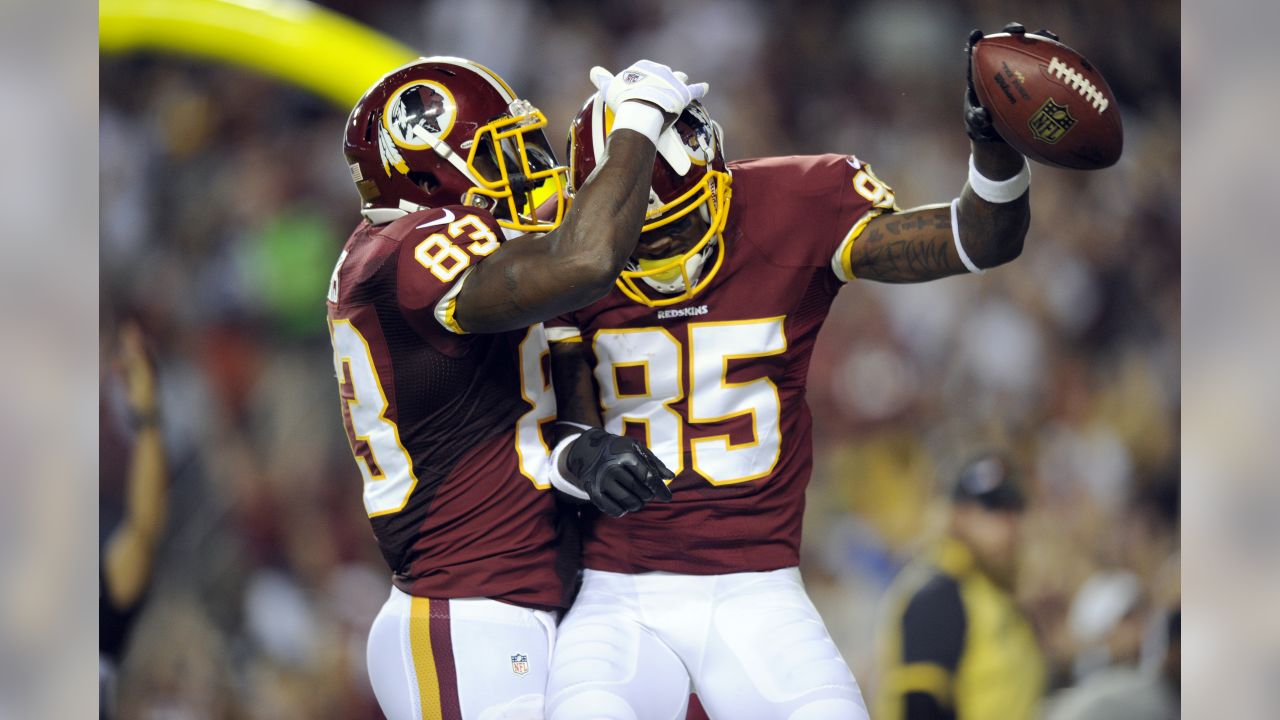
{"x":224,"y":201}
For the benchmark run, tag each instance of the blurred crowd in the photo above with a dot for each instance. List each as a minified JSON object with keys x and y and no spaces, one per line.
{"x":224,"y":201}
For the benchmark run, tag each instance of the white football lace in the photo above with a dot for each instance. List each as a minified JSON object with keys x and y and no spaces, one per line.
{"x":1079,"y":83}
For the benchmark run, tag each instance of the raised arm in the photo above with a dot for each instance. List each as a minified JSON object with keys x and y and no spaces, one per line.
{"x":532,"y":279}
{"x":984,"y":227}
{"x":130,"y":550}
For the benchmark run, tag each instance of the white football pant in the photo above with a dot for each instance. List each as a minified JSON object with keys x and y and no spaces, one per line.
{"x":458,"y":659}
{"x":751,"y":645}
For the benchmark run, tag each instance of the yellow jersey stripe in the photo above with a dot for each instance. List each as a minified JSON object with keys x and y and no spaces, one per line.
{"x":842,"y":263}
{"x":448,"y":320}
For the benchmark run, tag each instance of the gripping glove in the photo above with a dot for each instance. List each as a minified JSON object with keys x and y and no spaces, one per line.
{"x":977,"y":121}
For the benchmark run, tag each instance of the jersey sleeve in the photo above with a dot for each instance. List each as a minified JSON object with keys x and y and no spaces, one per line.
{"x":862,"y":197}
{"x":807,"y":210}
{"x":933,"y":632}
{"x":438,"y":250}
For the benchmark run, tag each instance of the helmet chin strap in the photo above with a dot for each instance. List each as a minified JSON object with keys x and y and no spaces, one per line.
{"x":447,"y":153}
{"x":672,"y":150}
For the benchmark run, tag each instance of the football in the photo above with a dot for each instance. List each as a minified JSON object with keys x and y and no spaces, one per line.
{"x":1047,"y":101}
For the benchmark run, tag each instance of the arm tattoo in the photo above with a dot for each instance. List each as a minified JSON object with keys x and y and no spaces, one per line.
{"x":917,"y":245}
{"x":911,"y":247}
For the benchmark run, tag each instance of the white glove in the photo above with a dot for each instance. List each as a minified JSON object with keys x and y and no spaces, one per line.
{"x":649,"y":82}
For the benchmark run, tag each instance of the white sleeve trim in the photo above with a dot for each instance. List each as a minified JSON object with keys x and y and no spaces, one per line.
{"x":563,"y":334}
{"x":969,"y":265}
{"x":445,"y":307}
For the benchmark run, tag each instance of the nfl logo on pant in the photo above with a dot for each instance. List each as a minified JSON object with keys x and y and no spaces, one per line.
{"x":520,"y":664}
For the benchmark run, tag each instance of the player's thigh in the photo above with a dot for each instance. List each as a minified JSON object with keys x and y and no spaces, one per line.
{"x":391,"y":670}
{"x":607,"y":666}
{"x":769,"y":655}
{"x":459,"y":658}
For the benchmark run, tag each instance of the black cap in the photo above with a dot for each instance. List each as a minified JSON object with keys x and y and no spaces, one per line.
{"x":989,"y":481}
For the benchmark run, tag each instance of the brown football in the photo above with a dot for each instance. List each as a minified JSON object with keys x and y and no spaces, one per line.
{"x":1047,"y":101}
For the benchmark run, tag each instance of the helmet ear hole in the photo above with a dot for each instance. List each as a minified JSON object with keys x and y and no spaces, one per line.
{"x":425,"y":180}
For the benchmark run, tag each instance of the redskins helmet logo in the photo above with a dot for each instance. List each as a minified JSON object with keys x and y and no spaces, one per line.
{"x":701,"y":146}
{"x":418,"y":112}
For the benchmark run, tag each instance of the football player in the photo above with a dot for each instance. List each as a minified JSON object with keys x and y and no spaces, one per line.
{"x":434,"y":312}
{"x":701,"y":352}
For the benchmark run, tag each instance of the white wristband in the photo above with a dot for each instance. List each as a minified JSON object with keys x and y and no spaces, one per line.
{"x":999,"y":191}
{"x":559,"y":481}
{"x":955,"y":235}
{"x":639,"y":116}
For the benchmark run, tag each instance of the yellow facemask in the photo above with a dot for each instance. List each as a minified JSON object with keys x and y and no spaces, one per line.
{"x":713,"y":191}
{"x":507,"y":137}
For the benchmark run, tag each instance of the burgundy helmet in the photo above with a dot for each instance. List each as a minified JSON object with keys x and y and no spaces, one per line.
{"x":689,"y":175}
{"x":447,"y":131}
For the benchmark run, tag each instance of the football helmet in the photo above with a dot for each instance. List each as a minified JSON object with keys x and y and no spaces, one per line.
{"x":446,"y":131}
{"x":693,"y":144}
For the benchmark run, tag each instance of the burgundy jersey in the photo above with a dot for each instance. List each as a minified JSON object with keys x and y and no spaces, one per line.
{"x":445,"y":427}
{"x":716,"y":386}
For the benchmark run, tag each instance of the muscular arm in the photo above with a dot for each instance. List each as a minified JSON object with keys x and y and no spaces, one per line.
{"x":533,"y":278}
{"x":916,"y":245}
{"x":576,"y":399}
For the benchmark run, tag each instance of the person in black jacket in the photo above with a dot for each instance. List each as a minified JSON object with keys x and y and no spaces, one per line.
{"x":956,"y":646}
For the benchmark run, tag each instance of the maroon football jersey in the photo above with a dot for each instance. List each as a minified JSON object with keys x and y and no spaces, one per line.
{"x":716,"y":385}
{"x":445,"y":427}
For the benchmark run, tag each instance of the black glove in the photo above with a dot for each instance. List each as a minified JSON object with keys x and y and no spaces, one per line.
{"x":977,"y":121}
{"x":619,"y":474}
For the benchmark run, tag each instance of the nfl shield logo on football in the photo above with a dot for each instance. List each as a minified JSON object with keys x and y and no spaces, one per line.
{"x":520,"y":664}
{"x":1051,"y":122}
